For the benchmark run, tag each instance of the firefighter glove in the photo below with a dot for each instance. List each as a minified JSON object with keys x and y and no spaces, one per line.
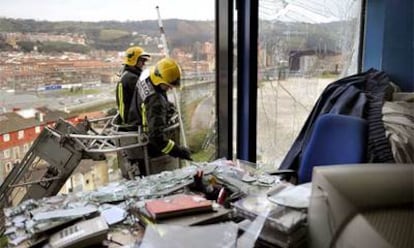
{"x":181,"y":152}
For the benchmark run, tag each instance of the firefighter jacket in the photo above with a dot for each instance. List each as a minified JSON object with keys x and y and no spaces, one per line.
{"x":151,"y":110}
{"x":125,"y":90}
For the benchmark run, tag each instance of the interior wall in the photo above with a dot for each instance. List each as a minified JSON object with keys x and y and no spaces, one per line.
{"x":389,"y":36}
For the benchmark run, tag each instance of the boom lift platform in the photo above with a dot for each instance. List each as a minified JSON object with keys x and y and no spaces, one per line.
{"x":58,"y":150}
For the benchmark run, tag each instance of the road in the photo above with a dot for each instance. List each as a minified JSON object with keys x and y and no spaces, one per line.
{"x":56,"y":99}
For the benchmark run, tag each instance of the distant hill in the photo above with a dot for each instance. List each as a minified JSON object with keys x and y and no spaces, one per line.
{"x":184,"y":34}
{"x":113,"y":35}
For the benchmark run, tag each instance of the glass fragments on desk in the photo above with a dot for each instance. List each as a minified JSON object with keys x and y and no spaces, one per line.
{"x":284,"y":219}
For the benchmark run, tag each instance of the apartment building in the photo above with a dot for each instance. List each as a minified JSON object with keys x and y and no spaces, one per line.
{"x":18,"y":130}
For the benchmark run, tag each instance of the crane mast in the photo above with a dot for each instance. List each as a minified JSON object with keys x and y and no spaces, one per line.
{"x":176,"y":99}
{"x":163,"y":38}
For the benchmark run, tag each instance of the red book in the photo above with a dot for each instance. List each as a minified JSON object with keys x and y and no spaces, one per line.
{"x":177,"y":205}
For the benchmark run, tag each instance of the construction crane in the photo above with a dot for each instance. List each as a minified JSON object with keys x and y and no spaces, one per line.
{"x":163,"y":38}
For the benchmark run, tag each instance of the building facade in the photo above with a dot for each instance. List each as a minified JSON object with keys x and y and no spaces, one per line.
{"x":19,"y":129}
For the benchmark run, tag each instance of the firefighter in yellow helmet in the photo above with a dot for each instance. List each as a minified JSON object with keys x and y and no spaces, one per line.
{"x":134,"y":61}
{"x":151,"y":109}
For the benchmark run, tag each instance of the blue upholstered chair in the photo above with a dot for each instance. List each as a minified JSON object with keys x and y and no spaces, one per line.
{"x":335,"y":139}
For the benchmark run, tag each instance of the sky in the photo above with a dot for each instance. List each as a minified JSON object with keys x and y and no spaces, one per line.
{"x":100,"y":10}
{"x":311,"y":11}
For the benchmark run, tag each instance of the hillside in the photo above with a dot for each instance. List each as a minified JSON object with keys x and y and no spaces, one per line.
{"x":113,"y":35}
{"x":184,"y":34}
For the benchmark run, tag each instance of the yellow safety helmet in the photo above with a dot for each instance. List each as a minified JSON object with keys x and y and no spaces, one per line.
{"x":166,"y":71}
{"x":132,"y":55}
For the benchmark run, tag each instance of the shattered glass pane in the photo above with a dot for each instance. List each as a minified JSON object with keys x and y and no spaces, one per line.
{"x":303,"y":45}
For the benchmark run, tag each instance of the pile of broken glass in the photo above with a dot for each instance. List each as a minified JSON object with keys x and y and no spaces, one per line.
{"x":34,"y":221}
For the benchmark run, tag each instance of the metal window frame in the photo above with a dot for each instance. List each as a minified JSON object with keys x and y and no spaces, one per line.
{"x":247,"y":34}
{"x":224,"y":77}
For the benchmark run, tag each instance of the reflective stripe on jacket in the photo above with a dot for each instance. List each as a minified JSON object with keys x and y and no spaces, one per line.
{"x":125,"y":90}
{"x":150,"y":108}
